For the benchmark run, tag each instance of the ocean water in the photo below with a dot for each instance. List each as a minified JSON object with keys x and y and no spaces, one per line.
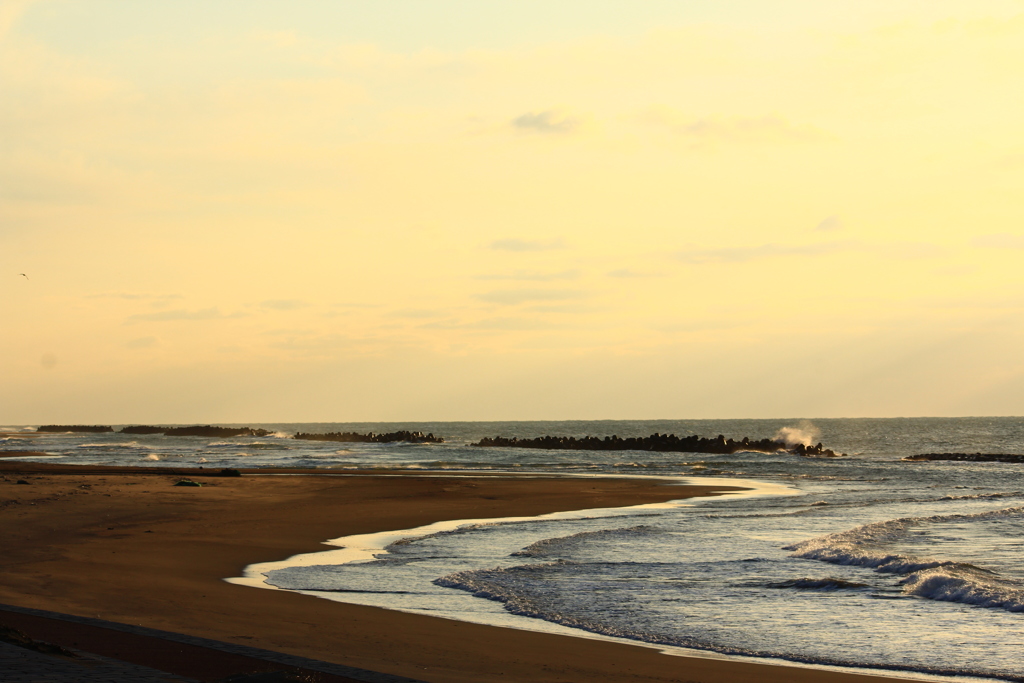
{"x":864,"y":561}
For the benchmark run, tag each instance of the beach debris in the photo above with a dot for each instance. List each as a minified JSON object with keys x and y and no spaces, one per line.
{"x":390,"y":437}
{"x":187,"y":482}
{"x":22,"y":481}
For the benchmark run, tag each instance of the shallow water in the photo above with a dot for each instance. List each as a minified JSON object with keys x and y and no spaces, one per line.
{"x":876,"y":562}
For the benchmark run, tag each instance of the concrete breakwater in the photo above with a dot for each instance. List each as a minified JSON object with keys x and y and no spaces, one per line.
{"x":659,"y":442}
{"x":203,"y":430}
{"x":390,"y":437}
{"x":968,"y":457}
{"x":86,"y":429}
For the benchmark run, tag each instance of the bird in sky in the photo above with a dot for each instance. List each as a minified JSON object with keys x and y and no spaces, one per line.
{"x":23,"y":275}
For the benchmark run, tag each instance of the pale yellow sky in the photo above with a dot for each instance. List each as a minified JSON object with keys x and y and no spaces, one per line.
{"x":449,"y":210}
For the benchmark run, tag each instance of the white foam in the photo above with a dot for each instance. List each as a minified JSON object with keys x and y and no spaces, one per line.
{"x":965,"y":584}
{"x":931,"y":578}
{"x":365,"y":547}
{"x":890,"y":529}
{"x":984,"y":496}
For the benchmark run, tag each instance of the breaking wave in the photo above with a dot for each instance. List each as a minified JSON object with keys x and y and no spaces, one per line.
{"x":925,"y":577}
{"x":510,"y":586}
{"x":553,"y":546}
{"x":966,"y":584}
{"x":111,"y":446}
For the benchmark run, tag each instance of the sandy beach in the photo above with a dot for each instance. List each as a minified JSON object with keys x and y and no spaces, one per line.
{"x":124,"y":544}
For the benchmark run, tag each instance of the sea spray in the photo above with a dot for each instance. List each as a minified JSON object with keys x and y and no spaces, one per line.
{"x":806,"y":434}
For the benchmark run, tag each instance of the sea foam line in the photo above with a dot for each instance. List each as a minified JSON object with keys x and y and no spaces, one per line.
{"x":366,"y":547}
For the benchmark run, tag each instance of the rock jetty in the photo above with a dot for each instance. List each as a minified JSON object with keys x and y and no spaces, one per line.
{"x":969,"y":457}
{"x":142,"y":429}
{"x":390,"y":437}
{"x":206,"y":430}
{"x":220,"y":432}
{"x":659,"y":442}
{"x":89,"y":429}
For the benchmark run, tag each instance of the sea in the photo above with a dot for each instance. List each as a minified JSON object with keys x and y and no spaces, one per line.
{"x":865,"y":561}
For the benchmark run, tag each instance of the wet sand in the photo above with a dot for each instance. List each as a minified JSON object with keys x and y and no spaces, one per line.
{"x":124,"y":544}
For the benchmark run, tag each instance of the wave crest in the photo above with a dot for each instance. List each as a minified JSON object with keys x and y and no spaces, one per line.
{"x":965,"y":584}
{"x":930,"y":578}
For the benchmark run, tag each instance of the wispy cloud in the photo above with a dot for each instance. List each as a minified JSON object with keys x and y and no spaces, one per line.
{"x":532,"y":275}
{"x":181,"y":314}
{"x":416,"y":313}
{"x":999,"y":241}
{"x":548,"y":122}
{"x":142,"y":343}
{"x":1010,"y":161}
{"x":284,"y":304}
{"x":761,"y":129}
{"x":516,"y":244}
{"x":909,"y":250}
{"x":630,"y":273}
{"x":956,"y":270}
{"x":10,"y":12}
{"x":499,"y":324}
{"x":128,"y":296}
{"x":717,"y":128}
{"x":565,"y":309}
{"x":316,"y":344}
{"x":894,"y":250}
{"x":829,"y":224}
{"x":513,"y":297}
{"x":743,"y":254}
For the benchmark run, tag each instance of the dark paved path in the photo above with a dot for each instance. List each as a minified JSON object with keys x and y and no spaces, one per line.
{"x":109,"y":652}
{"x":18,"y":665}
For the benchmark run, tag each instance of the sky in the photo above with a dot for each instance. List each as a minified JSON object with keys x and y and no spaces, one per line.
{"x":269,"y":211}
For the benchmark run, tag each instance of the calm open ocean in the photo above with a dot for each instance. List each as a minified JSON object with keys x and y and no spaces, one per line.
{"x":862,"y":561}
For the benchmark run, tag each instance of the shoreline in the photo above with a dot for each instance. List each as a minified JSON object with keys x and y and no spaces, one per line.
{"x":124,"y":545}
